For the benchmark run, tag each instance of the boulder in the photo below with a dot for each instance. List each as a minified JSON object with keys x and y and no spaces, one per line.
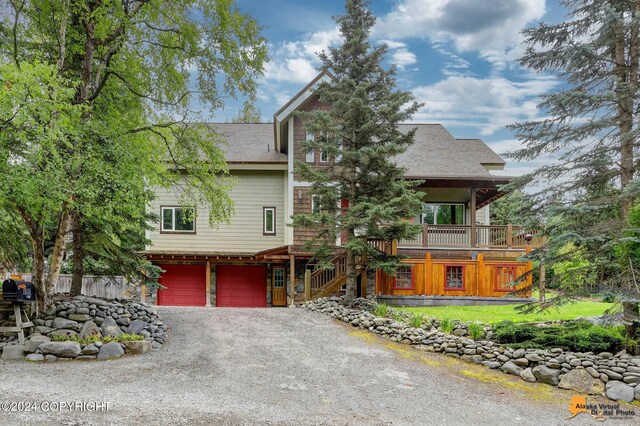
{"x":527,"y":375}
{"x":137,"y":326}
{"x":90,"y":329}
{"x":12,"y":353}
{"x":137,"y":347}
{"x":90,"y":350}
{"x":619,"y":391}
{"x":43,"y":329}
{"x":546,"y":375}
{"x":31,"y":345}
{"x":511,"y":368}
{"x":35,"y":357}
{"x":79,"y":317}
{"x":50,"y":358}
{"x":65,"y":323}
{"x":110,"y":328}
{"x":110,"y":350}
{"x":581,"y":382}
{"x":636,"y":394}
{"x":61,"y":349}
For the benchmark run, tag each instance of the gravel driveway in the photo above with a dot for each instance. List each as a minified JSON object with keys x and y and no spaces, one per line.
{"x":279,"y":366}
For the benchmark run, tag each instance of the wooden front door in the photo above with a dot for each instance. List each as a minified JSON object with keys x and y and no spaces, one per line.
{"x":278,"y":287}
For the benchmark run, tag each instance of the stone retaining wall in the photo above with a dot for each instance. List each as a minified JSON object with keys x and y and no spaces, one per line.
{"x":617,"y":376}
{"x":89,"y":318}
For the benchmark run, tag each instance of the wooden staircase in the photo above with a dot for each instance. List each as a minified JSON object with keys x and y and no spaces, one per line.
{"x":325,"y":282}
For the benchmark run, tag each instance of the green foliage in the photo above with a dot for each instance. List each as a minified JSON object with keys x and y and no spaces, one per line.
{"x":587,"y":134}
{"x":476,"y":330}
{"x":248,"y":114}
{"x":415,"y":321}
{"x":98,"y":112}
{"x":398,"y":316}
{"x":93,"y":339}
{"x":576,"y":336}
{"x":360,"y":134}
{"x":514,"y":208}
{"x":608,"y":297}
{"x":381,"y":310}
{"x":447,"y":325}
{"x":574,"y":272}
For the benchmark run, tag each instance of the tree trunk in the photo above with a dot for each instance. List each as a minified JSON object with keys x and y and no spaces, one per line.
{"x":78,"y":255}
{"x":37,"y":270}
{"x":352,"y":281}
{"x":58,"y":252}
{"x":631,"y":314}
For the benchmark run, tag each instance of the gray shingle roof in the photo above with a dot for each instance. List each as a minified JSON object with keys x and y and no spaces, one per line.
{"x":249,"y":142}
{"x":436,"y":153}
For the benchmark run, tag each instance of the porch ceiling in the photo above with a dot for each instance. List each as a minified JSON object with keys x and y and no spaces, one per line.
{"x":487,"y":189}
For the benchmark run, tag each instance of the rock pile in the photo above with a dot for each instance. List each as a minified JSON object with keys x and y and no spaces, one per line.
{"x":89,"y":318}
{"x":617,"y":376}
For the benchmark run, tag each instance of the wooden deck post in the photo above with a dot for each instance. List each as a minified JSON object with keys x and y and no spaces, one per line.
{"x":292,"y":278}
{"x":428,"y":278}
{"x":143,"y":293}
{"x":208,"y":284}
{"x":363,"y":282}
{"x":480,"y":276}
{"x":509,"y":235}
{"x":473,"y":217}
{"x":307,"y":285}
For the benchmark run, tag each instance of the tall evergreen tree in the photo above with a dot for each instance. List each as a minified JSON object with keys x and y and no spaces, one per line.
{"x":362,"y":193}
{"x":591,"y":129}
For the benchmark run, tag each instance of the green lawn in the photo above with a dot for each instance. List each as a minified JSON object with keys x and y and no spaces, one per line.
{"x":493,"y":314}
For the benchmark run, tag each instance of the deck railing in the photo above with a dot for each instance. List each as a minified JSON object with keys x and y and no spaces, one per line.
{"x":487,"y":236}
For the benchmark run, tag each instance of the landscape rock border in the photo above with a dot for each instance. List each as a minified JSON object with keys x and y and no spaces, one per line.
{"x":88,"y":318}
{"x":616,"y":376}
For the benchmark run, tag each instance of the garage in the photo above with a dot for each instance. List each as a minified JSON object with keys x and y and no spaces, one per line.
{"x":185,"y":285}
{"x":241,"y":286}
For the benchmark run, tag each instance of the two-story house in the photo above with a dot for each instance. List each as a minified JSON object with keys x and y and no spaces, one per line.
{"x":257,"y":260}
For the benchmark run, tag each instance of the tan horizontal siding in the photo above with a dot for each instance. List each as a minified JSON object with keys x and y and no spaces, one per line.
{"x":253,"y":191}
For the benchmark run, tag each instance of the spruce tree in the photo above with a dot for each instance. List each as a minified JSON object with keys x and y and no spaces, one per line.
{"x":362,"y":193}
{"x":590,"y":130}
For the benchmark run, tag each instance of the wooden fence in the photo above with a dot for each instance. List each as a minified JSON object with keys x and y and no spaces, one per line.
{"x":103,"y":287}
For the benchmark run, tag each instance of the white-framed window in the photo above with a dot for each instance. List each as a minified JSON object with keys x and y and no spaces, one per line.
{"x":177,"y":219}
{"x":278,"y":277}
{"x":315,"y":204}
{"x":310,"y":154}
{"x":340,"y":148}
{"x":269,"y":221}
{"x":324,"y":156}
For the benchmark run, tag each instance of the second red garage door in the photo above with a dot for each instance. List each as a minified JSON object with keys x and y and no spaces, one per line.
{"x":241,"y":286}
{"x":185,"y":285}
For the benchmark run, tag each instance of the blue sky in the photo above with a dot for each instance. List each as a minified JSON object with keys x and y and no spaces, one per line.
{"x":456,"y":56}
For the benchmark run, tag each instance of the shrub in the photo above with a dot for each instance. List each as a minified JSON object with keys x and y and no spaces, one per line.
{"x":447,"y":325}
{"x":94,"y":339}
{"x":380,"y":310}
{"x":476,"y":330}
{"x":578,"y":336}
{"x":608,"y":297}
{"x":398,"y":316}
{"x":415,"y":321}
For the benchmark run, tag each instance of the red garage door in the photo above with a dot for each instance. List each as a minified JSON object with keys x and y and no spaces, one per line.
{"x":185,"y":285}
{"x":241,"y":286}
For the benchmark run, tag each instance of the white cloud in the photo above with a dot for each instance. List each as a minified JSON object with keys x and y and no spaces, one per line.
{"x":486,"y":25}
{"x":486,"y":105}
